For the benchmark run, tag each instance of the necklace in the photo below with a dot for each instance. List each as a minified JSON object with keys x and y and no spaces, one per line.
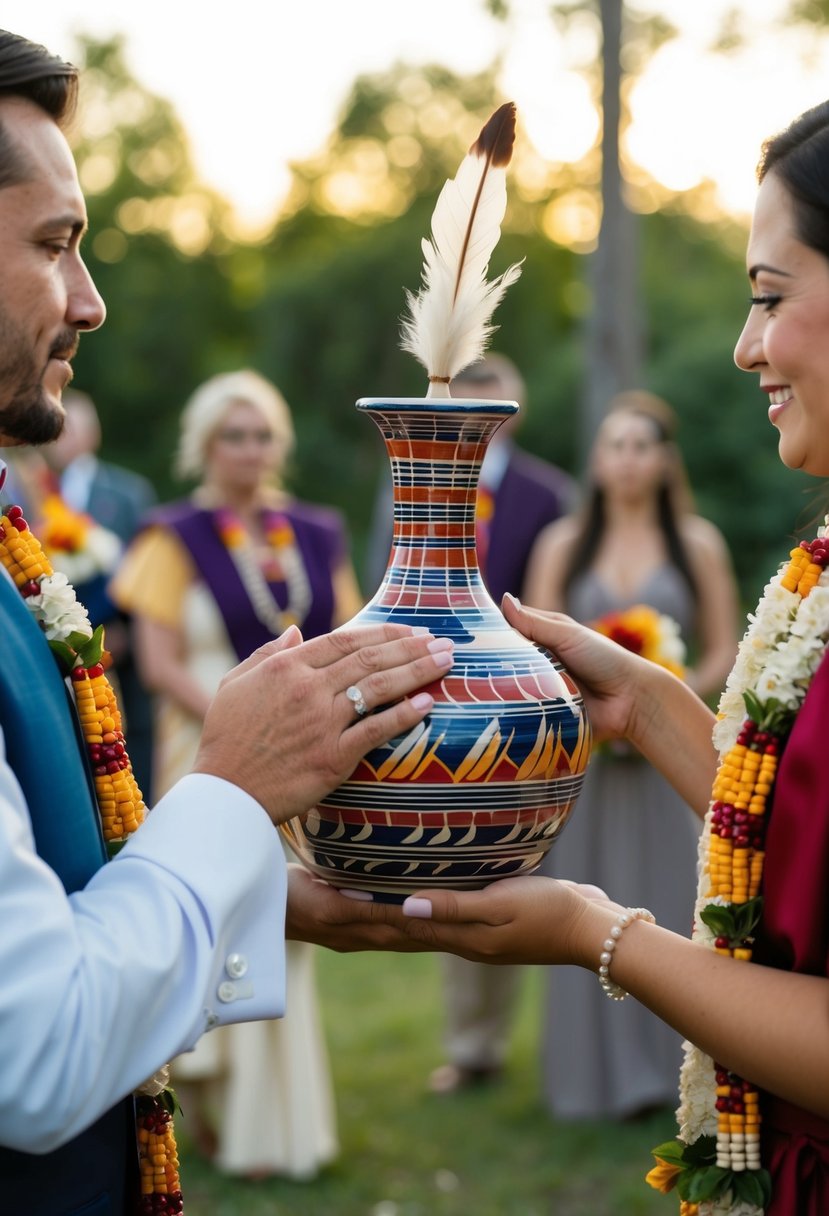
{"x":715,"y":1161}
{"x":283,"y":563}
{"x":79,"y":650}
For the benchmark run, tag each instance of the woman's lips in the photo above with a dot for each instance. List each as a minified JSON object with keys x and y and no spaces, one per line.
{"x":779,"y":397}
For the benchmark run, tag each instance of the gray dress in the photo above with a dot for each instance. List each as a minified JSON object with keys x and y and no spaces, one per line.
{"x":632,"y":835}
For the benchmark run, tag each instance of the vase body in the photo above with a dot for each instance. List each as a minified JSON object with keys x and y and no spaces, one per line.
{"x":480,"y":788}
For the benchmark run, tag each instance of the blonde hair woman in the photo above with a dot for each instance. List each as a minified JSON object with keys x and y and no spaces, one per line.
{"x":208,"y":581}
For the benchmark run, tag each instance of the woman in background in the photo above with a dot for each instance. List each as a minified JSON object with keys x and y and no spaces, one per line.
{"x":636,"y":542}
{"x":209,"y":580}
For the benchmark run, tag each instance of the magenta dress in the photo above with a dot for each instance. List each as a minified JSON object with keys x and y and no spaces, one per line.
{"x":795,"y":937}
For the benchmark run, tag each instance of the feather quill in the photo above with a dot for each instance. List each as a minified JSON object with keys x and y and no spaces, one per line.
{"x":449,"y":319}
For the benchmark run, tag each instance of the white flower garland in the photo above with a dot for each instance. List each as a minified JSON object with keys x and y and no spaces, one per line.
{"x":776,"y":660}
{"x":57,"y":609}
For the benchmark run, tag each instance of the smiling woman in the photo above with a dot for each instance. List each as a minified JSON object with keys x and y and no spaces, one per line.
{"x":789,"y":318}
{"x":754,"y":1111}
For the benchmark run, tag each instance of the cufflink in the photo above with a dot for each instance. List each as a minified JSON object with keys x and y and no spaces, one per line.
{"x":236,"y":965}
{"x":228,"y":991}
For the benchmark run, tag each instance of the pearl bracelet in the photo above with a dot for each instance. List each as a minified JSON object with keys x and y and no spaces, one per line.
{"x":615,"y":991}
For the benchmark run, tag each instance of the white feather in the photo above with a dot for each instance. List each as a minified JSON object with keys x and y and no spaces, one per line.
{"x":449,"y":320}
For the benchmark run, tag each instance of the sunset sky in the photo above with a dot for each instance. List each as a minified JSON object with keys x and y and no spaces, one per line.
{"x":257,"y":85}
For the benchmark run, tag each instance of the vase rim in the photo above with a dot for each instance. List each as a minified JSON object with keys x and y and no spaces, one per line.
{"x":440,"y":405}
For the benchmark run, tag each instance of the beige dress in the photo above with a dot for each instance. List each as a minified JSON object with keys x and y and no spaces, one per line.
{"x":270,"y":1084}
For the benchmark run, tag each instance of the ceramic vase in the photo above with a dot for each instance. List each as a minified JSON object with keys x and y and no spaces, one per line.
{"x":479,"y":789}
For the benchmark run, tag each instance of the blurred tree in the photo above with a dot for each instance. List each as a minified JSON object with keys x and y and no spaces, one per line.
{"x":615,"y":333}
{"x":160,"y":250}
{"x":316,"y":306}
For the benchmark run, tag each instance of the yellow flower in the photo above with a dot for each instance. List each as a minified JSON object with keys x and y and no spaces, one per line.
{"x":62,"y":528}
{"x":663,"y":1176}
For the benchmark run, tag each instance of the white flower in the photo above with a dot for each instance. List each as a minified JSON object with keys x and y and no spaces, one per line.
{"x":671,"y":645}
{"x":696,"y":1115}
{"x":57,"y":610}
{"x":727,"y":1207}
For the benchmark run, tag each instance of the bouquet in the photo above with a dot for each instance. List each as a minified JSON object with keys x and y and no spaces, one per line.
{"x":648,"y":633}
{"x":77,"y":546}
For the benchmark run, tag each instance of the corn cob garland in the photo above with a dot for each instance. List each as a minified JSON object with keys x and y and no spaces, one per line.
{"x":121,"y":808}
{"x":736,"y":853}
{"x":157,"y":1159}
{"x":731,"y":882}
{"x":119,"y":798}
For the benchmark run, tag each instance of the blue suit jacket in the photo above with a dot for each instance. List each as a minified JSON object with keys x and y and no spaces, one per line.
{"x":88,"y":1176}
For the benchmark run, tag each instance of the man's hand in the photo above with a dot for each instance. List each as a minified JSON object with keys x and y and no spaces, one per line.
{"x":282,"y":728}
{"x":318,"y":913}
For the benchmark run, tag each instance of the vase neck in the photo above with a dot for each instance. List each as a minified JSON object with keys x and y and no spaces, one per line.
{"x":436,"y":460}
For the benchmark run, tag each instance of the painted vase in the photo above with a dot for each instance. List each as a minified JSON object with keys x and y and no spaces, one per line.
{"x":481,"y":787}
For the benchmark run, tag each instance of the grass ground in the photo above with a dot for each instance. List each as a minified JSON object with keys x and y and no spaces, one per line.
{"x":405,"y":1152}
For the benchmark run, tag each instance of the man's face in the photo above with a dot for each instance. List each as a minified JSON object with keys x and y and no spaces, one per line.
{"x":46,"y":294}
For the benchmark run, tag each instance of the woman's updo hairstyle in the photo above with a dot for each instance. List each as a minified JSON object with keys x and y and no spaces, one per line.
{"x":799,"y":157}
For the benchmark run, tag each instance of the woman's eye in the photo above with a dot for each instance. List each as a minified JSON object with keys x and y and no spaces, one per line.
{"x":768,"y":302}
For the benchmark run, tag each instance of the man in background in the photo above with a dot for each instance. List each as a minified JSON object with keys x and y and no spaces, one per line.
{"x":117,"y":499}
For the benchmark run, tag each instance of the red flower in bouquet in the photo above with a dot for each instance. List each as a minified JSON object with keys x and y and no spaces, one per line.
{"x":646,"y":632}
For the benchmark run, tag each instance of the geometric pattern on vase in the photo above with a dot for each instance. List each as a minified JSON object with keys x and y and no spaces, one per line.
{"x":481,"y":787}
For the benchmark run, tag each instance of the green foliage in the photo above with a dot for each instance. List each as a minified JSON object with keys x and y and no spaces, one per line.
{"x":702,"y":1179}
{"x":734,"y":921}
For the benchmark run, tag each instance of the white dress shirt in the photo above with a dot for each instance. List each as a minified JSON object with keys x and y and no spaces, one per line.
{"x":182,"y":931}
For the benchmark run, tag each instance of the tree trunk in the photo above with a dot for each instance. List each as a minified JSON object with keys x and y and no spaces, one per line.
{"x":613,"y":345}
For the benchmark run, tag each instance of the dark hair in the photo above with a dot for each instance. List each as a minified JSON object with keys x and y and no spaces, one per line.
{"x":673,"y":497}
{"x":799,"y":156}
{"x":30,"y":71}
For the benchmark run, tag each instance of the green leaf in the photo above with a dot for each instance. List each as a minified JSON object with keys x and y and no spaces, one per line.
{"x":752,"y":1186}
{"x":671,"y":1151}
{"x":169,"y":1100}
{"x":734,"y":921}
{"x":747,"y":916}
{"x":92,"y":649}
{"x":708,"y":1182}
{"x":76,"y":639}
{"x":703,"y":1151}
{"x":64,"y":653}
{"x":720,"y":920}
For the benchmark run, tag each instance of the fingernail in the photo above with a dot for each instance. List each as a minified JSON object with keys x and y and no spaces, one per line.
{"x":365,"y":896}
{"x":423,"y":701}
{"x":420,"y":631}
{"x":444,"y":658}
{"x":438,"y":644}
{"x":513,"y":599}
{"x":415,"y":906}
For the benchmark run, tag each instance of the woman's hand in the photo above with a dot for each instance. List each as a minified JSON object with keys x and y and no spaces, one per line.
{"x":628,"y":697}
{"x":607,"y":674}
{"x":515,"y":920}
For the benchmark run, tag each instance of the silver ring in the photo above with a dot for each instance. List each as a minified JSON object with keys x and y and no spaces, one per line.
{"x":356,"y":698}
